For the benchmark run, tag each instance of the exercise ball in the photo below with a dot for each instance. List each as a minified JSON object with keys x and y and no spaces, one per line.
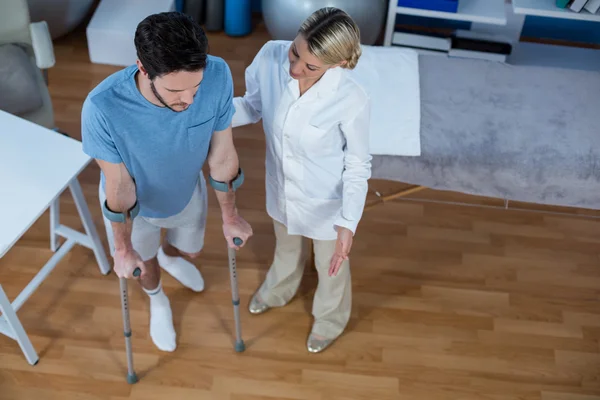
{"x":284,"y":17}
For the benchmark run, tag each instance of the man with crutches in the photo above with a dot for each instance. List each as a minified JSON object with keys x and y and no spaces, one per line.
{"x":151,"y":127}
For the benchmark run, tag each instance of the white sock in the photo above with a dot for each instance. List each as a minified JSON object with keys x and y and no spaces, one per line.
{"x":182,"y":270}
{"x":162,"y":330}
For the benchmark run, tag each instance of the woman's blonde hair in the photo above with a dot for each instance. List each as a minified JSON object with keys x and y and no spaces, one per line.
{"x":332,"y":37}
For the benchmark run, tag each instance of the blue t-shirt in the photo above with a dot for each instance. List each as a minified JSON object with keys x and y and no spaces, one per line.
{"x":163,"y":150}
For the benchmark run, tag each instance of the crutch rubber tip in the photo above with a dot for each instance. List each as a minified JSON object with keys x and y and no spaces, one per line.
{"x":240,"y":347}
{"x":131,"y":379}
{"x":237,"y":241}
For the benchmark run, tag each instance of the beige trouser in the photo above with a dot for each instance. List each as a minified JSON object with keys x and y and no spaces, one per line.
{"x":332,"y":302}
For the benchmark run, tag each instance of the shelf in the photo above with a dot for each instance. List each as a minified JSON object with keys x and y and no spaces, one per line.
{"x":546,"y":55}
{"x":548,"y":8}
{"x":525,"y":54}
{"x":483,"y":11}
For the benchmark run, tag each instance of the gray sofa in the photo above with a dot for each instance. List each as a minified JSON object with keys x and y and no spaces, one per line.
{"x":26,"y":51}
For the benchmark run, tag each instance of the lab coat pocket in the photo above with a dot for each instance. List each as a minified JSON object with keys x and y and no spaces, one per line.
{"x":199,"y":136}
{"x":318,"y":217}
{"x":322,"y":168}
{"x":322,"y":180}
{"x":317,"y":141}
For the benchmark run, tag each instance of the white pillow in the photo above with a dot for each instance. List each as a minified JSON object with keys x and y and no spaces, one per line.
{"x":390,"y":75}
{"x":19,"y":92}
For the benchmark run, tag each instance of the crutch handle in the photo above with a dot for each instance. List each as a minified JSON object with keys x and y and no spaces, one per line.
{"x":137,"y":272}
{"x":237,"y":241}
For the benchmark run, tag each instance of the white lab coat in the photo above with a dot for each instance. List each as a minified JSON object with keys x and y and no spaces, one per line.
{"x":317,"y":159}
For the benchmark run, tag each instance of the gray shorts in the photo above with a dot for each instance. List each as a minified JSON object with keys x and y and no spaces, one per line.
{"x":185,"y":230}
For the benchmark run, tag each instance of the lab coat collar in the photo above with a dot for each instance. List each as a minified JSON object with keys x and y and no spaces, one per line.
{"x":326,"y":86}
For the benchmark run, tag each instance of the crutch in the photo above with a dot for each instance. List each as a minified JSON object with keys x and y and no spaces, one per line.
{"x":239,"y":343}
{"x":131,"y":376}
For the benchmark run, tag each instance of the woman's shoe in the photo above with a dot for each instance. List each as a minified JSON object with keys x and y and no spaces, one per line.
{"x":257,"y":306}
{"x":317,"y":344}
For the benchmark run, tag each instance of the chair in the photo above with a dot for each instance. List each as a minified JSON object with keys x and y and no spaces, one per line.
{"x":26,"y":52}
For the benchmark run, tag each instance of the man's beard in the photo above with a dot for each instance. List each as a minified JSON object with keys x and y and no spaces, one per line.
{"x":163,"y":102}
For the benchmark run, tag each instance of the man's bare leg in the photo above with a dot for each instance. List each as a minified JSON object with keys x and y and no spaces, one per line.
{"x":151,"y":278}
{"x":162,"y":330}
{"x":173,"y":262}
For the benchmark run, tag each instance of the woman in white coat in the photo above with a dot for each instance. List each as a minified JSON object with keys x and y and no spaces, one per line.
{"x":316,"y":122}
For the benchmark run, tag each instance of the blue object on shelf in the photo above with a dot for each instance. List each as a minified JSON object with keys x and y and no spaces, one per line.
{"x":238,"y":17}
{"x":434,"y":5}
{"x":179,"y":5}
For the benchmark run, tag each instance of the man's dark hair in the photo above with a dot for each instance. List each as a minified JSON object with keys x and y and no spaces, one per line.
{"x":170,"y":42}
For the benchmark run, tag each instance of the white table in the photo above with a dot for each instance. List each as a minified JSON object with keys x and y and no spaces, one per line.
{"x":36,"y":166}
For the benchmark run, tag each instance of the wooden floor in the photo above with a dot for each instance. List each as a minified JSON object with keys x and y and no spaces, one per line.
{"x":450,"y":302}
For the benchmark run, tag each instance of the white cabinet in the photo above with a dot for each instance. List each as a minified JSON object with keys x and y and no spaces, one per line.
{"x":111,"y":30}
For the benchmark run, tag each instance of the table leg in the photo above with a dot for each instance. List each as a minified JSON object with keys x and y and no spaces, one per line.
{"x":18,"y":333}
{"x":90,"y":227}
{"x":54,"y":223}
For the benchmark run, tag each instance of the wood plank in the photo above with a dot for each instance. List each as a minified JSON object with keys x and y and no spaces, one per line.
{"x":449,"y":302}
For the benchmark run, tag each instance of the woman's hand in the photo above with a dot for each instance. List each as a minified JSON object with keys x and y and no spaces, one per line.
{"x":342,"y":249}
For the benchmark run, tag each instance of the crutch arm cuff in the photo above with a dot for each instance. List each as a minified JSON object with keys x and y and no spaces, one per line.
{"x":233,"y":185}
